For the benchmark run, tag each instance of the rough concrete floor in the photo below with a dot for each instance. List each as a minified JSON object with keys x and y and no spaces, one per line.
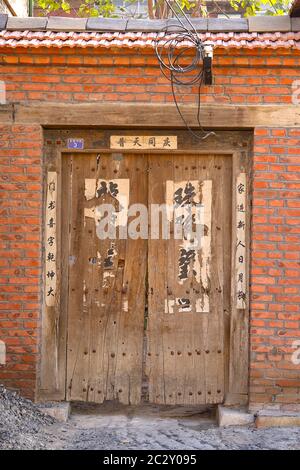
{"x":116,"y":427}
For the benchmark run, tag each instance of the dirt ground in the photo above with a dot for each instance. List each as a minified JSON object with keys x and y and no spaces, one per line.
{"x":116,"y":427}
{"x":22,"y":425}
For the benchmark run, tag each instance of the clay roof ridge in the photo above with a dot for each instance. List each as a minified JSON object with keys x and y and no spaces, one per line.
{"x":94,"y":39}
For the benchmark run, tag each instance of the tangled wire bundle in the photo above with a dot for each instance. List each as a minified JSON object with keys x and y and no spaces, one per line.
{"x":173,"y":45}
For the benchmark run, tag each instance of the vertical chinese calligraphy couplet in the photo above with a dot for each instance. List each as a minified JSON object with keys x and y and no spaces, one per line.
{"x":240,"y":254}
{"x":50,"y":239}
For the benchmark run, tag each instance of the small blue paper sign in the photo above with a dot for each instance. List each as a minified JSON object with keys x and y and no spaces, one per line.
{"x":76,"y":144}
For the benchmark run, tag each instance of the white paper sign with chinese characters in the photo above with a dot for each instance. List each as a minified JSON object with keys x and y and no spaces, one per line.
{"x":240,"y":255}
{"x":143,"y":142}
{"x":50,"y":236}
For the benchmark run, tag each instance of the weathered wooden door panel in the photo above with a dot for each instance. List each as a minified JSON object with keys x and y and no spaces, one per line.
{"x":106,"y":281}
{"x":189,"y":289}
{"x":93,"y":320}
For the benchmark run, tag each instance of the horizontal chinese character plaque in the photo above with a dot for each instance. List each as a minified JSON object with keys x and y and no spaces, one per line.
{"x":143,"y":142}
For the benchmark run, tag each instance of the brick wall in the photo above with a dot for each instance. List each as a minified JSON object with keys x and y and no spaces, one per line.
{"x":241,"y":76}
{"x":275,"y":267}
{"x":20,"y":253}
{"x":84,"y":75}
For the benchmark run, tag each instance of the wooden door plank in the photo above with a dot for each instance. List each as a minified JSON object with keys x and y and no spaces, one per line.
{"x":215,"y":347}
{"x":63,"y":285}
{"x":77,"y":359}
{"x":95,"y":387}
{"x":196,"y":353}
{"x":111,"y":277}
{"x":188,"y":334}
{"x":227,"y":248}
{"x":156,"y":273}
{"x":132,"y":288}
{"x":170,"y":353}
{"x":53,"y":353}
{"x":191,"y":342}
{"x":182,"y":319}
{"x":239,"y":320}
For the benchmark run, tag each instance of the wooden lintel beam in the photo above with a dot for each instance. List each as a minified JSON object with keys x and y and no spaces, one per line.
{"x":151,"y":115}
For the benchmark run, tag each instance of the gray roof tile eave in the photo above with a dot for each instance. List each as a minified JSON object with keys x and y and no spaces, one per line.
{"x":257,"y":24}
{"x":26,"y":24}
{"x":3,"y":21}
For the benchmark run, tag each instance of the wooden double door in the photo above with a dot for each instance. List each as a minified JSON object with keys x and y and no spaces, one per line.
{"x":148,"y":313}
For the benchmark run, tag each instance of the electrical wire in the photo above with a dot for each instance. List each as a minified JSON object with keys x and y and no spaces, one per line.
{"x":178,"y":67}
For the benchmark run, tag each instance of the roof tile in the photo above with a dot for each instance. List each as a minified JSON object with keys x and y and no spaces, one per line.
{"x":295,"y":24}
{"x":57,"y":23}
{"x":269,"y":23}
{"x":106,"y":24}
{"x":3,"y":21}
{"x":200,"y":24}
{"x":224,"y":24}
{"x":145,"y":25}
{"x":31,"y":24}
{"x":142,"y":40}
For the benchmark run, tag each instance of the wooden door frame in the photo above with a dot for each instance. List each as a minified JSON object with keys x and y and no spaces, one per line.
{"x":237,"y":144}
